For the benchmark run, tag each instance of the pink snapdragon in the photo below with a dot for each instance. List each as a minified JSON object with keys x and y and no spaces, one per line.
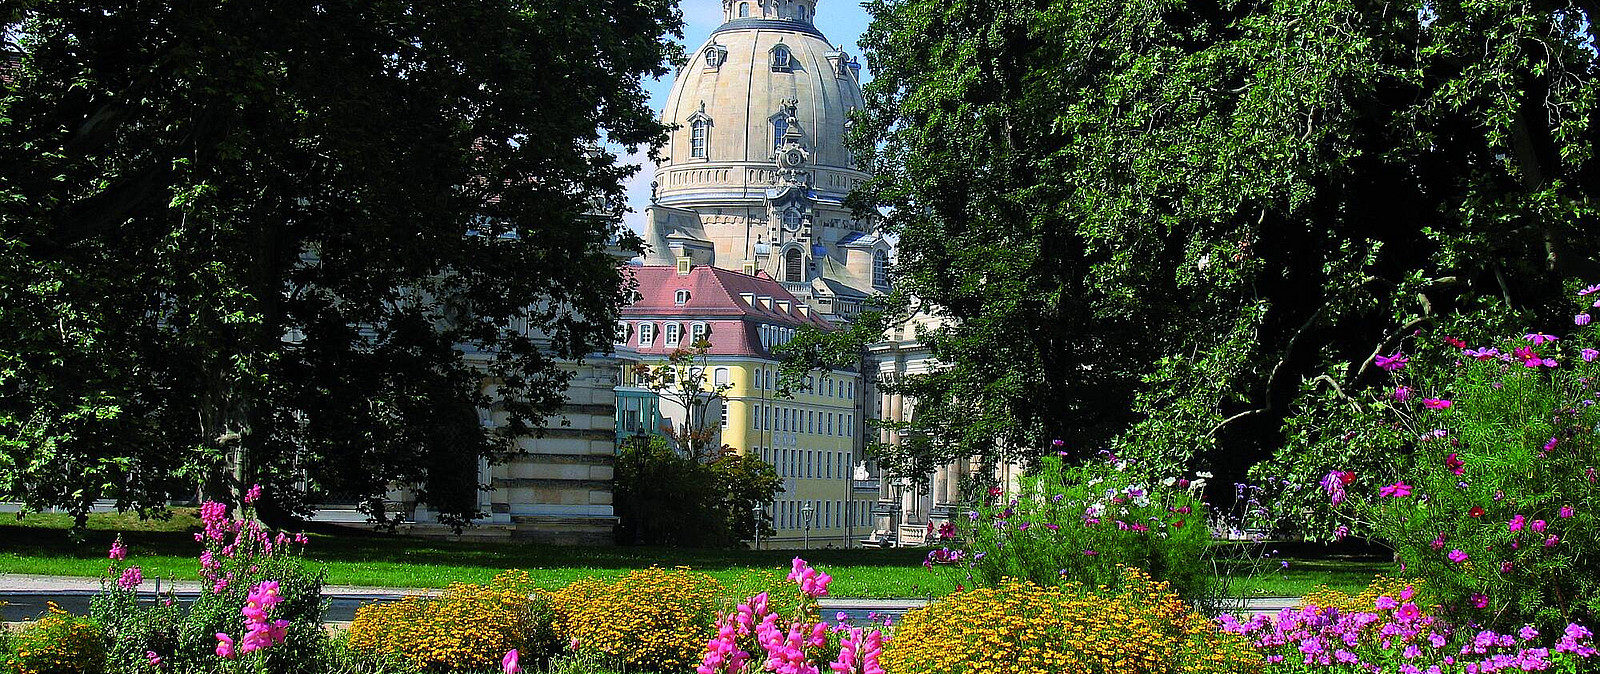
{"x":131,"y":578}
{"x":118,"y":552}
{"x":509,"y":664}
{"x":813,"y":583}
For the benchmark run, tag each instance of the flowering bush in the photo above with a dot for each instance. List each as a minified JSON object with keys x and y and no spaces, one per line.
{"x":1020,"y":627}
{"x":257,"y":606}
{"x":1394,"y":634}
{"x":1326,"y":598}
{"x":1496,"y":505}
{"x":754,"y":637}
{"x":57,"y":643}
{"x":467,"y":626}
{"x":1080,"y":523}
{"x":653,"y":619}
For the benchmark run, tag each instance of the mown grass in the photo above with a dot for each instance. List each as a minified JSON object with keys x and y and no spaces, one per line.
{"x":41,"y":544}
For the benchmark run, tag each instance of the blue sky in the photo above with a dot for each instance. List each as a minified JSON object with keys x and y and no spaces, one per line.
{"x":841,"y":20}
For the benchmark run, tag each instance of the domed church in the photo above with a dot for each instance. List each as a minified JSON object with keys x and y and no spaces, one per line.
{"x":755,"y":172}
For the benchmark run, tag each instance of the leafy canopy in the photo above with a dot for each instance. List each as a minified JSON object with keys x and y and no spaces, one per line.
{"x":303,"y":240}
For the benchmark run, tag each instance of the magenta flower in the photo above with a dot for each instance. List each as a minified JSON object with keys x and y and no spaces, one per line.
{"x":1589,"y":355}
{"x":152,"y":658}
{"x":1408,"y":612}
{"x":1538,"y":526}
{"x":1480,"y":600}
{"x":224,"y":645}
{"x":118,"y":552}
{"x":253,"y":495}
{"x":1396,"y":490}
{"x":1455,"y":464}
{"x":1482,"y":353}
{"x":1539,"y":338}
{"x":509,"y":663}
{"x":131,"y":578}
{"x":1340,"y":532}
{"x":1457,"y":556}
{"x":1385,"y":603}
{"x":1551,"y":445}
{"x":1565,"y":512}
{"x":1581,"y":319}
{"x":1589,"y":290}
{"x":1390,"y":363}
{"x":1516,"y":523}
{"x":1436,"y":403}
{"x":1402,"y":393}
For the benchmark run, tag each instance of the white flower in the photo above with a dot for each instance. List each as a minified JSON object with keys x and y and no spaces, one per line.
{"x":1169,"y":482}
{"x":1204,"y":474}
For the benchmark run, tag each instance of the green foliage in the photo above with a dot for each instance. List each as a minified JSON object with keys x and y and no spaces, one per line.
{"x":1084,"y":524}
{"x":132,"y":630}
{"x":1504,"y":480}
{"x":667,"y":498}
{"x":298,"y":240}
{"x":1147,"y":223}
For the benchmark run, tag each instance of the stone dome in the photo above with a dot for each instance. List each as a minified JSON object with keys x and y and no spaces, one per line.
{"x":765,"y":78}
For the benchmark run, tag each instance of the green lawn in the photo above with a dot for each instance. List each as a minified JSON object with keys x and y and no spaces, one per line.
{"x":40,"y":544}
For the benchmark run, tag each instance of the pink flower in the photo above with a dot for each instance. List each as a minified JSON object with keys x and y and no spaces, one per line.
{"x":118,"y":552}
{"x":1589,"y":355}
{"x":1455,"y":464}
{"x":224,"y":646}
{"x":131,"y":578}
{"x":1539,"y":338}
{"x":1581,"y":319}
{"x":1457,"y":556}
{"x":253,"y":495}
{"x":1390,"y":363}
{"x":1550,"y":541}
{"x":1396,"y":490}
{"x":1480,"y":600}
{"x":1589,"y":290}
{"x":155,"y":660}
{"x":1385,"y":603}
{"x":1436,"y":403}
{"x":1538,"y":526}
{"x":1516,"y":523}
{"x":1565,"y":512}
{"x":1408,"y":613}
{"x":1402,"y":393}
{"x":509,"y":664}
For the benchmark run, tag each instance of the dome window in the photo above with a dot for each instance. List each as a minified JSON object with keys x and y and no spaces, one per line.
{"x":800,"y":12}
{"x":697,"y":138}
{"x":782,"y":59}
{"x":744,"y":10}
{"x":714,"y":55}
{"x":780,"y":128}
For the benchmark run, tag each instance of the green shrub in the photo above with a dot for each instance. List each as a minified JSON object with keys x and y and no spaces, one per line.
{"x":667,"y":498}
{"x":58,"y":643}
{"x":1080,"y":523}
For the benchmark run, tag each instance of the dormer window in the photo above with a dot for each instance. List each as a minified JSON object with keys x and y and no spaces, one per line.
{"x":681,"y":298}
{"x":647,"y":335}
{"x":674,"y":334}
{"x":780,"y":127}
{"x":782,"y":60}
{"x":714,"y":55}
{"x":697,"y":333}
{"x":698,"y":130}
{"x":880,"y":269}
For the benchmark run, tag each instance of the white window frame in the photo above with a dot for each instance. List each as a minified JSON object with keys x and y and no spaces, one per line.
{"x":699,"y":134}
{"x":680,"y":298}
{"x":674,"y":335}
{"x":647,"y":335}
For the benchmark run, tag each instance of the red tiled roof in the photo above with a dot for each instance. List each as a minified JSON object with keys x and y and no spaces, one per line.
{"x":715,"y":298}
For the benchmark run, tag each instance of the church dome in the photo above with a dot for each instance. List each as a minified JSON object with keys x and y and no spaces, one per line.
{"x":766,"y":79}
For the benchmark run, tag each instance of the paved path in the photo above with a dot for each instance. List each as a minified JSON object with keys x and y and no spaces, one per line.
{"x":24,"y":596}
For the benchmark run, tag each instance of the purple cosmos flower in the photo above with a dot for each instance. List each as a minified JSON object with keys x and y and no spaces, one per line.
{"x":1402,"y":393}
{"x":1589,"y":290}
{"x":1457,"y":556}
{"x":1436,"y":403}
{"x":1565,"y":512}
{"x":1391,"y":363}
{"x":1589,"y":355}
{"x":1539,"y":338}
{"x":1480,"y":600}
{"x":1396,"y":490}
{"x":1484,"y":353}
{"x":1516,"y":523}
{"x":1581,"y":319}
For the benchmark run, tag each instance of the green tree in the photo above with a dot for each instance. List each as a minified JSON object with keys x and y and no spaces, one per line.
{"x":1149,"y":222}
{"x":300,"y":240}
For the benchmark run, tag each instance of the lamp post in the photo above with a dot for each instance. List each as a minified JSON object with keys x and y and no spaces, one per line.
{"x":761,"y":517}
{"x":805,"y":514}
{"x":895,"y":509}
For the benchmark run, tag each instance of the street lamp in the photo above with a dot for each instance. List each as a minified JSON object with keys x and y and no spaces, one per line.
{"x":761,"y":517}
{"x":805,"y":515}
{"x":895,"y":510}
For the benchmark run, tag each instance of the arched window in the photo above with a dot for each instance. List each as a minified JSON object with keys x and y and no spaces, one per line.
{"x":681,"y":298}
{"x":744,"y":10}
{"x":781,"y":61}
{"x":647,"y":334}
{"x":697,"y":138}
{"x":792,"y":261}
{"x":719,"y":376}
{"x":780,"y":126}
{"x":880,"y":268}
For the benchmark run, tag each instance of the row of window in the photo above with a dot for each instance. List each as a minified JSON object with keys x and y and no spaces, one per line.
{"x":790,"y":514}
{"x":790,"y":420}
{"x":767,"y":379}
{"x":672,"y":334}
{"x":807,"y":463}
{"x":700,"y":135}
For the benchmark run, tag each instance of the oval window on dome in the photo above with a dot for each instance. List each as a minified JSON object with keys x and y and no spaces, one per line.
{"x":782,"y":62}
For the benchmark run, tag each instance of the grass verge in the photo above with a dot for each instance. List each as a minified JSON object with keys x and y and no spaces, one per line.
{"x":40,"y":544}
